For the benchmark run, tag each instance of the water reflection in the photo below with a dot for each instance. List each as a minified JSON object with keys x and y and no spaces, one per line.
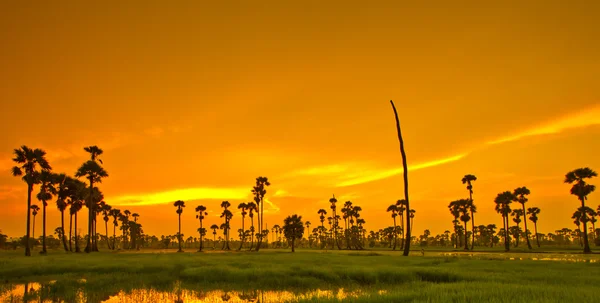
{"x":35,"y":292}
{"x":530,"y":256}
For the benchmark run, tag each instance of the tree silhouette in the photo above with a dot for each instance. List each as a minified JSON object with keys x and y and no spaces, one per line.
{"x":47,"y":189}
{"x":201,"y":210}
{"x":62,"y":193}
{"x":243,"y":207}
{"x":77,"y":197}
{"x":405,"y":170}
{"x":29,"y":163}
{"x":259,"y":191}
{"x":322,"y":214}
{"x":335,"y":221}
{"x":454,"y":208}
{"x":34,"y":211}
{"x":293,"y":229}
{"x":394,"y":210}
{"x":252,"y":208}
{"x":533,"y":213}
{"x":92,"y":171}
{"x":581,"y":190}
{"x":116,"y":214}
{"x":469,"y":179}
{"x":503,"y":201}
{"x":401,"y":204}
{"x":521,"y":194}
{"x":180,"y":205}
{"x":227,"y":215}
{"x":517,"y":214}
{"x":464,"y":210}
{"x":214,"y":227}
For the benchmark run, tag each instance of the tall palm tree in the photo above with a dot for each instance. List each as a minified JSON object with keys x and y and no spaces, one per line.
{"x":201,"y":210}
{"x":521,"y":194}
{"x":469,"y":179}
{"x":394,"y":210}
{"x":29,"y":163}
{"x":335,"y":223}
{"x":251,"y":209}
{"x":454,"y":209}
{"x":77,"y":198}
{"x":517,"y":214}
{"x":581,"y":189}
{"x":405,"y":170}
{"x":503,"y":201}
{"x":105,"y":209}
{"x":307,"y":224}
{"x":227,"y":216}
{"x":259,"y":191}
{"x":34,"y":211}
{"x":463,"y":208}
{"x":322,"y":214}
{"x":92,"y":171}
{"x":47,"y":189}
{"x":62,"y":193}
{"x":412,"y":213}
{"x":214,"y":227}
{"x":180,"y":205}
{"x":243,"y":207}
{"x":533,"y":213}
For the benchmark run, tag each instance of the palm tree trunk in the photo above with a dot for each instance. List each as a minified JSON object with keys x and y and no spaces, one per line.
{"x":466,"y":237}
{"x":107,"y":239}
{"x":405,"y":169}
{"x":70,"y":232}
{"x":88,"y":246}
{"x":537,"y":237}
{"x":395,"y":237}
{"x":506,"y":238}
{"x":29,"y":190}
{"x":76,"y":240}
{"x":179,"y":235}
{"x":472,"y":227}
{"x":43,"y":227}
{"x":586,"y":244}
{"x":62,"y":225}
{"x":526,"y":231}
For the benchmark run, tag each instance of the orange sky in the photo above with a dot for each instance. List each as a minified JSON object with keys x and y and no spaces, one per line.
{"x":194,"y":101}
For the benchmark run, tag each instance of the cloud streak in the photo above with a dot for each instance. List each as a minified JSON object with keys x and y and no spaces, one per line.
{"x":186,"y":194}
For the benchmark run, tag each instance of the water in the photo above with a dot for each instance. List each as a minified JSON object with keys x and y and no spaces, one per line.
{"x":34,"y":292}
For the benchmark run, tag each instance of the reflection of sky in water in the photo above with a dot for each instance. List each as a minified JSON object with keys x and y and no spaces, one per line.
{"x":17,"y":294}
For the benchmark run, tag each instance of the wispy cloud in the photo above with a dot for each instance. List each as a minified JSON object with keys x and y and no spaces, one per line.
{"x":186,"y":194}
{"x":581,"y":119}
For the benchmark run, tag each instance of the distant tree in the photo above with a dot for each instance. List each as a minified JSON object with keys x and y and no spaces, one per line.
{"x":517,"y":214}
{"x":503,"y":201}
{"x":293,"y":229}
{"x":394,"y":210}
{"x":307,"y":224}
{"x":180,"y":205}
{"x":62,"y":194}
{"x":533,"y":213}
{"x":463,"y":208}
{"x":491,"y":229}
{"x":581,"y":190}
{"x":201,"y":210}
{"x":521,"y":194}
{"x":469,"y":179}
{"x":105,"y":209}
{"x":47,"y":190}
{"x":29,"y":163}
{"x":454,"y":208}
{"x":401,"y":204}
{"x":34,"y":211}
{"x":214,"y":227}
{"x":243,"y":207}
{"x":116,"y":214}
{"x":333,"y":207}
{"x":259,"y":191}
{"x":92,"y":171}
{"x":226,"y":215}
{"x":252,"y":208}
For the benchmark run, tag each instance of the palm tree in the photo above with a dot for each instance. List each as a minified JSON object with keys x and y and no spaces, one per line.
{"x":180,"y":205}
{"x":307,"y":224}
{"x":251,"y":209}
{"x":106,"y":209}
{"x":34,"y":211}
{"x":405,"y":170}
{"x":491,"y":229}
{"x":412,"y":217}
{"x":581,"y":189}
{"x":259,"y":191}
{"x":201,"y":210}
{"x":469,"y":179}
{"x":227,"y":215}
{"x":533,"y":213}
{"x":214,"y":227}
{"x":521,"y":194}
{"x":243,"y":207}
{"x":401,"y":204}
{"x":293,"y":229}
{"x":46,"y":191}
{"x":62,"y":193}
{"x":322,"y":214}
{"x":454,"y":209}
{"x":394,"y":210}
{"x":517,"y":214}
{"x":92,"y":171}
{"x":463,"y":208}
{"x":77,"y":197}
{"x":503,"y":201}
{"x":335,"y":222}
{"x":28,"y":162}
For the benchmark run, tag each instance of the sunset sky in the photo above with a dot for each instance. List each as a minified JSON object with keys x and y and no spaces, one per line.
{"x":194,"y":101}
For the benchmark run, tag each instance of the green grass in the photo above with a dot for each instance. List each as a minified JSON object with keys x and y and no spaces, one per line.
{"x":483,"y":277}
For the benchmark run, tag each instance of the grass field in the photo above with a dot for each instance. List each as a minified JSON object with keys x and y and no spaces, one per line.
{"x":371,"y":276}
